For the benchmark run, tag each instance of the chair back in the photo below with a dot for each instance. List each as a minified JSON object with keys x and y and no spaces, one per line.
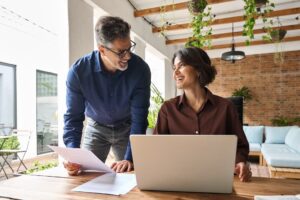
{"x":238,"y":103}
{"x":23,"y":138}
{"x":5,"y":130}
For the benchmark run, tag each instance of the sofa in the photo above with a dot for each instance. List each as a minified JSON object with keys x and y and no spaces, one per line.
{"x":277,"y":147}
{"x":254,"y":136}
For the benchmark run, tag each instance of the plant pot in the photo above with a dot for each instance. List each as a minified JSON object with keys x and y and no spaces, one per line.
{"x":260,"y":3}
{"x":278,"y":35}
{"x":149,"y":131}
{"x":197,"y":6}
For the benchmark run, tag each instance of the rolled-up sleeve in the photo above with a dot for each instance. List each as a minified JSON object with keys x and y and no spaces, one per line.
{"x":74,"y":116}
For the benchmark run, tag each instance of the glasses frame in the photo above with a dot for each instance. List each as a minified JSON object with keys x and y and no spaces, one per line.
{"x":124,"y":52}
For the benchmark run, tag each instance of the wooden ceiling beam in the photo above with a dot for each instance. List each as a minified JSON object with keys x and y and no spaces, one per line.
{"x":170,"y":7}
{"x":258,"y":42}
{"x":275,"y":13}
{"x":238,"y":33}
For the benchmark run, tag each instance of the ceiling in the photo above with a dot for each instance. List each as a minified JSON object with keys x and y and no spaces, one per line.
{"x":226,"y":12}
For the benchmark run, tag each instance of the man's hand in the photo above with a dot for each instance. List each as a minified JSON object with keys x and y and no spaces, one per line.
{"x":122,"y":166}
{"x":243,"y":171}
{"x":72,"y":168}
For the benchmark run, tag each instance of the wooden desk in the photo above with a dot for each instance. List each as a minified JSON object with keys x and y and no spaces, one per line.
{"x":56,"y":188}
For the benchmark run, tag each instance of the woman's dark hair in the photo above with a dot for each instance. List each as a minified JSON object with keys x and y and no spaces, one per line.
{"x":109,"y":28}
{"x":198,"y":59}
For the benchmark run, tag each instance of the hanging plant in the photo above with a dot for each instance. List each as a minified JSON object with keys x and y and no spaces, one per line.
{"x":163,"y":19}
{"x":249,"y":16}
{"x":276,"y":35}
{"x":201,"y":24}
{"x":257,"y":9}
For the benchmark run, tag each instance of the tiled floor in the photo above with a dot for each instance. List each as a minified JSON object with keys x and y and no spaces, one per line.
{"x":50,"y":157}
{"x":259,"y":171}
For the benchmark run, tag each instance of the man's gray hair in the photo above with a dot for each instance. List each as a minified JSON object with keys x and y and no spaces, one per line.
{"x":109,"y":28}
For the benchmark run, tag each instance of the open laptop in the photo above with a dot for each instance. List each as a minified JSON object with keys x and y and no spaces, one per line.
{"x":188,"y":163}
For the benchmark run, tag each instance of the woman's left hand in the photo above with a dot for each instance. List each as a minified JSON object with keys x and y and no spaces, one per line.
{"x":243,"y":171}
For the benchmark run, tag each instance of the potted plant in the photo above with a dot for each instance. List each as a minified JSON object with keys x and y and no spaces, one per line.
{"x":243,"y":92}
{"x":276,"y":35}
{"x":284,"y":121}
{"x":201,"y":24}
{"x":156,"y":102}
{"x":163,"y":19}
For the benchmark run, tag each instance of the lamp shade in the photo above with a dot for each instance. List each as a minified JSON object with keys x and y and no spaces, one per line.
{"x":233,"y":55}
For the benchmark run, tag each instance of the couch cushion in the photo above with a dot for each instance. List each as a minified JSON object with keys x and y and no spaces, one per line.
{"x":280,"y":155}
{"x":254,"y":146}
{"x":254,"y":134}
{"x":292,"y":139}
{"x":276,"y":135}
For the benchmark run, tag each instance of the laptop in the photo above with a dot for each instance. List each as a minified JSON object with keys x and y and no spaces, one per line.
{"x":187,"y":163}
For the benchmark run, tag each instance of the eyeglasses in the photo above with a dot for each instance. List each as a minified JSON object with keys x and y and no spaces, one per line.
{"x":121,"y":54}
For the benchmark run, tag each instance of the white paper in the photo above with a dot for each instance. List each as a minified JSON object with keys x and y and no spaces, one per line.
{"x":277,"y":197}
{"x":83,"y":157}
{"x":115,"y":184}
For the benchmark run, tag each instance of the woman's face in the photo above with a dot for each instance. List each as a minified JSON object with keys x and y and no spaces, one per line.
{"x":185,"y":76}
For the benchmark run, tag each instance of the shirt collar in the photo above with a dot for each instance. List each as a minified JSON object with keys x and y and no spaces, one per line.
{"x":209,"y":98}
{"x":98,"y":62}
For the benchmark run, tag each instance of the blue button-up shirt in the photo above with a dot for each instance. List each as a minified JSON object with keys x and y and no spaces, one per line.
{"x":107,"y":98}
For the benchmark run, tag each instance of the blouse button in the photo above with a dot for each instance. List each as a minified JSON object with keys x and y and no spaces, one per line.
{"x":197,"y":132}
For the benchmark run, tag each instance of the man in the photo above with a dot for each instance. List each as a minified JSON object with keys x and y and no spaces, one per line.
{"x":111,"y":87}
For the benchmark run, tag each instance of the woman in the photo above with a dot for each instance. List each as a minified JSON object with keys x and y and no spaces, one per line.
{"x":198,"y":111}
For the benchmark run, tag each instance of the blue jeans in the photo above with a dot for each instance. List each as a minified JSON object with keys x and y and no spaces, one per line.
{"x":100,"y":138}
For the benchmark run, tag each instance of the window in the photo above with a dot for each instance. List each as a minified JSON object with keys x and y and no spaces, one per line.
{"x":7,"y":95}
{"x":46,"y":111}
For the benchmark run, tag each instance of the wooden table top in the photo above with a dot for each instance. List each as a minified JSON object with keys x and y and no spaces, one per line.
{"x":43,"y":186}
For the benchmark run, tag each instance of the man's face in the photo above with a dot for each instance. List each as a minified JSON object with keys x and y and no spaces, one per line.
{"x":117,"y":54}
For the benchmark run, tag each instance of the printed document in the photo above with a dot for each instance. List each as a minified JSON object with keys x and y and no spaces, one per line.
{"x":277,"y":197}
{"x":115,"y":184}
{"x":109,"y":183}
{"x":84,"y":157}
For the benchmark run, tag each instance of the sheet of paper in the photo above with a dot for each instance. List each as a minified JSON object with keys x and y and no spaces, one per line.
{"x":115,"y":184}
{"x":277,"y":197}
{"x":84,"y":157}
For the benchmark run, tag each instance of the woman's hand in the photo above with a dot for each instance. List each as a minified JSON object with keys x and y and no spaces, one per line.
{"x":243,"y":171}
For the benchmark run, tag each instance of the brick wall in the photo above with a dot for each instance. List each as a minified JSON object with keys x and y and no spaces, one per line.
{"x":275,"y":87}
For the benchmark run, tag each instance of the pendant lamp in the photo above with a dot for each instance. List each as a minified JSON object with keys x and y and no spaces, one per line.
{"x":233,"y":55}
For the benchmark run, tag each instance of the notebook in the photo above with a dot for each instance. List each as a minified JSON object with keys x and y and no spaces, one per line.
{"x":187,"y":163}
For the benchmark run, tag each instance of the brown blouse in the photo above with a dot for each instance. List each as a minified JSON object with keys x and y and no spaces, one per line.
{"x":217,"y":116}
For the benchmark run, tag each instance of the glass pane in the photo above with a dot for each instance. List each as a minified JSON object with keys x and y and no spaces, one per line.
{"x":7,"y":98}
{"x":46,"y":111}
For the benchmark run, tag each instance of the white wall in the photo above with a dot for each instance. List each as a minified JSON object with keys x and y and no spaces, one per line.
{"x":31,"y":42}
